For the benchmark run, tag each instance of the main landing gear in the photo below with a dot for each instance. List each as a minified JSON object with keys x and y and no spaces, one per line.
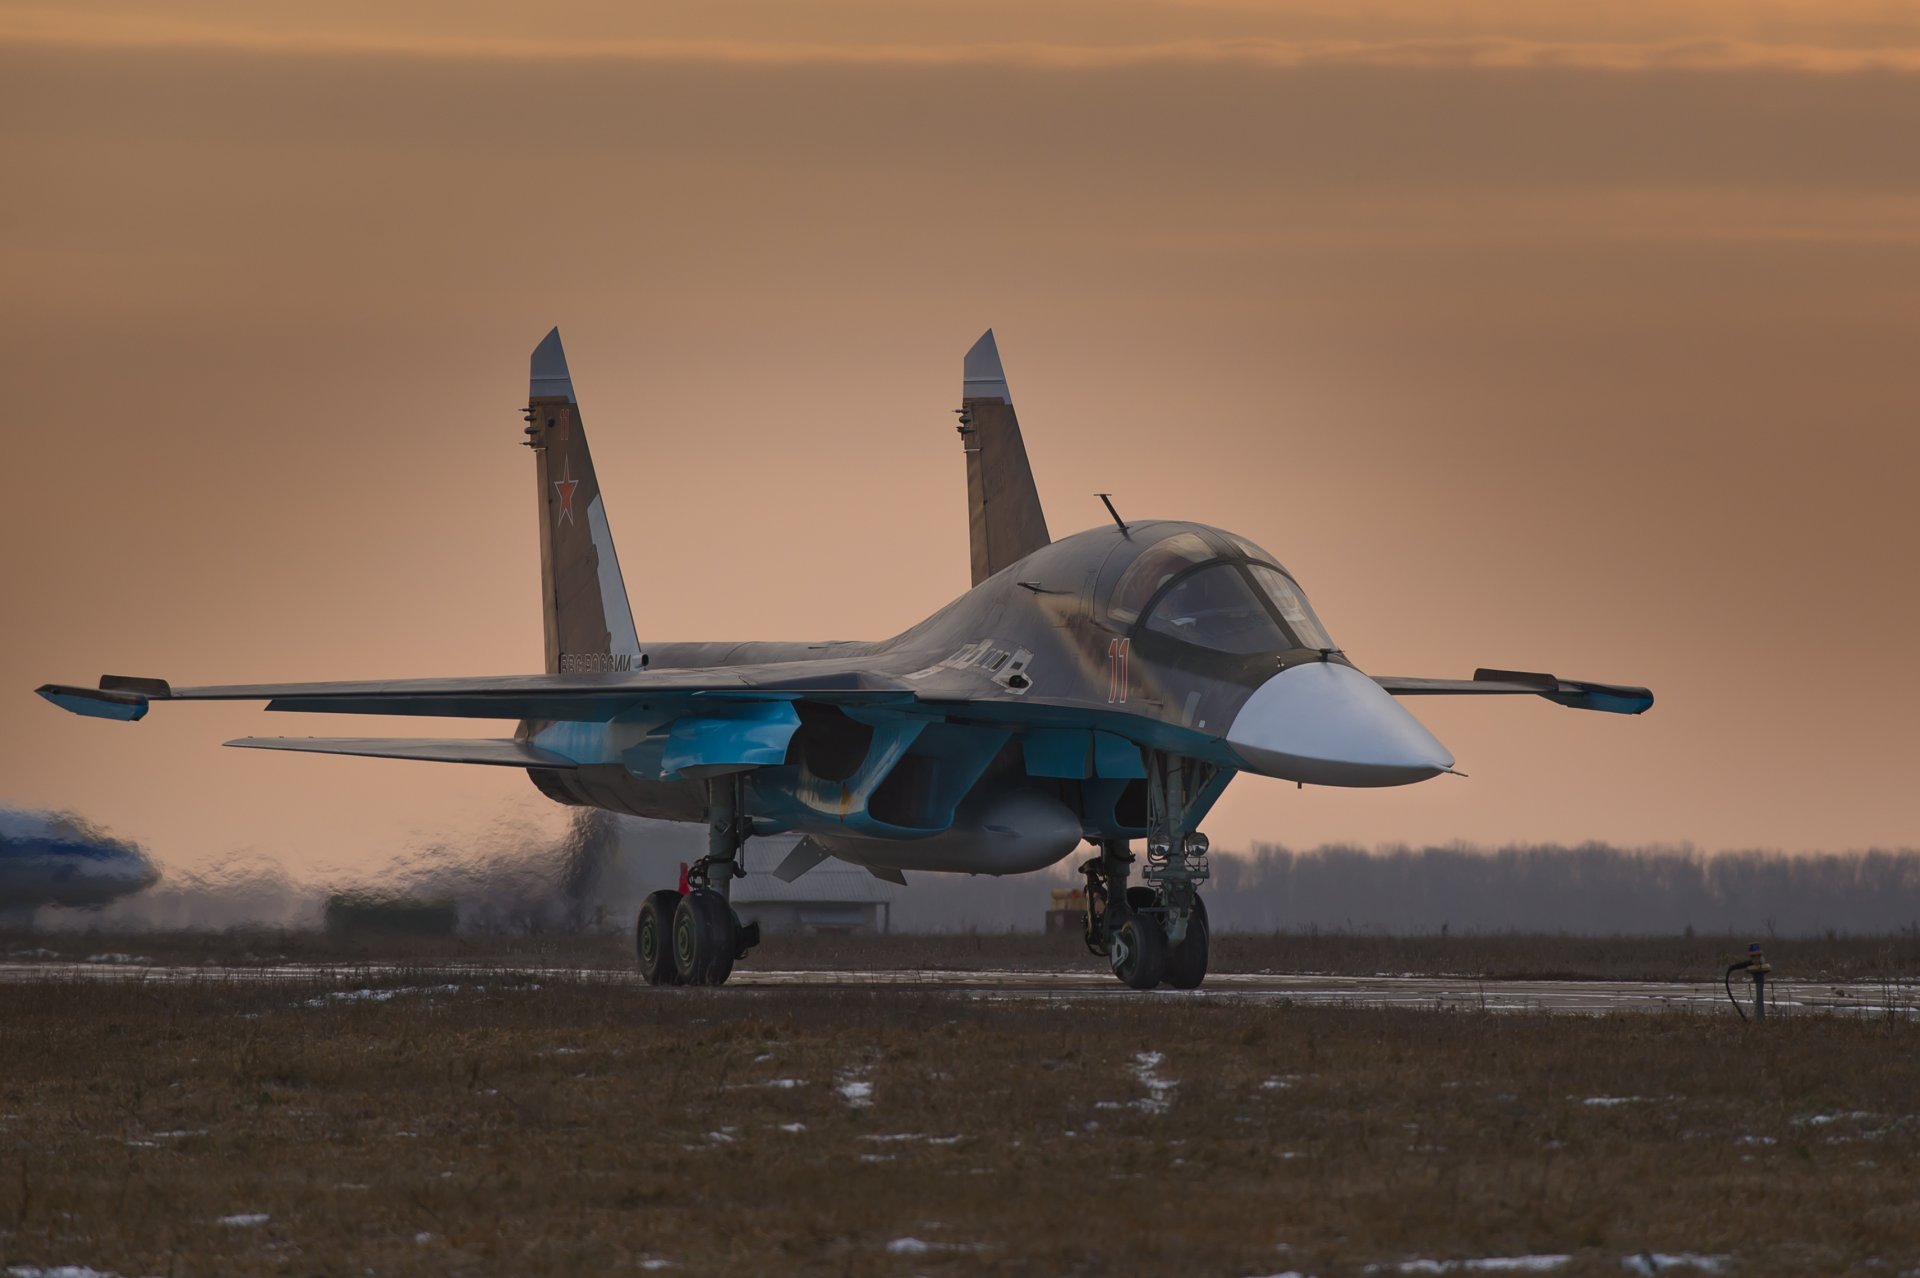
{"x":694,"y":937}
{"x":1156,"y":930}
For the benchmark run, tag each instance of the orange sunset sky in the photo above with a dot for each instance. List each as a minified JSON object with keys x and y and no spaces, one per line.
{"x":1582,"y":338}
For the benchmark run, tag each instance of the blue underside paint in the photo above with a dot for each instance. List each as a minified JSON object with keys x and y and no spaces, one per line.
{"x":98,"y":706}
{"x":1117,"y":757}
{"x":743,"y":733}
{"x":1075,"y":754}
{"x":1611,"y":702}
{"x":1058,"y":752}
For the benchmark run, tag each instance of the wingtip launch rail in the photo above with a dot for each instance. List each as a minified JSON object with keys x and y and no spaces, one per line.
{"x":1575,"y":694}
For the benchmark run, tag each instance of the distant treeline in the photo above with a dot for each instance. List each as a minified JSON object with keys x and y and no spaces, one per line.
{"x":597,"y":876}
{"x":1592,"y":888}
{"x":1589,"y":889}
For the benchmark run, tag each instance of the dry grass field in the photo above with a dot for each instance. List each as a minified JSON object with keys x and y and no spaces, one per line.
{"x":491,"y":1124}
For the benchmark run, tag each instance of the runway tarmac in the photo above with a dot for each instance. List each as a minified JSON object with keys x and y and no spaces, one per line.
{"x":1450,"y":992}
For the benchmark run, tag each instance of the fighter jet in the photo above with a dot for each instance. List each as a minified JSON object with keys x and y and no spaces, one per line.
{"x":1099,"y":689}
{"x":49,"y":858}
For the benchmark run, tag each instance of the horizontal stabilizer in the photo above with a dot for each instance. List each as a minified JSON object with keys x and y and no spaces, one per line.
{"x":1576,"y":694}
{"x":499,"y":754}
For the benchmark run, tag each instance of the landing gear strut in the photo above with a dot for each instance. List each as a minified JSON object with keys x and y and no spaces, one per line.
{"x":1157,"y":930}
{"x":694,"y":938}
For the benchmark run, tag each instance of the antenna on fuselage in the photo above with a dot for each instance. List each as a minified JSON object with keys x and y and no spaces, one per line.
{"x":1107,"y":500}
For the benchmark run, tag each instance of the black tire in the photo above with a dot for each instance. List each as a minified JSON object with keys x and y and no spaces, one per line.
{"x":1139,"y":951}
{"x":653,"y":938}
{"x":1187,"y":961}
{"x":703,"y":938}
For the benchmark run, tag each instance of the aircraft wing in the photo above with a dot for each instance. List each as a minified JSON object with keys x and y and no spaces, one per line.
{"x":1577,"y":694}
{"x":503,"y":754}
{"x":583,"y":698}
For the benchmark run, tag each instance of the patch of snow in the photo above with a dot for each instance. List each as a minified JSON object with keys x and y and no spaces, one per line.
{"x":423,"y":1237}
{"x":1659,"y":1262}
{"x":1276,"y":1084}
{"x":911,"y":1246}
{"x":116,"y":958}
{"x":876,"y":1158}
{"x":1821,"y":1120}
{"x":57,"y":1271}
{"x":1478,"y":1265}
{"x":245,"y":1220}
{"x":895,"y":1136}
{"x":1756,"y":1140}
{"x":381,"y":996}
{"x":1611,"y":1100}
{"x":1159,"y":1097}
{"x":793,"y":1127}
{"x":143,"y":1144}
{"x":656,"y":1262}
{"x":720,"y":1138}
{"x":857,"y":1092}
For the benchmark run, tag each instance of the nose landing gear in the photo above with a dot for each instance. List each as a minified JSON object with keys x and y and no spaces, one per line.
{"x":1157,"y":930}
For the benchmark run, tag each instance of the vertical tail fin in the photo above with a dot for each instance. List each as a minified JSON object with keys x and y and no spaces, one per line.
{"x":589,"y":623}
{"x":1004,"y":519}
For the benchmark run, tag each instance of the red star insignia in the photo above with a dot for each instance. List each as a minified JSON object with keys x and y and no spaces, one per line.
{"x":564,"y":486}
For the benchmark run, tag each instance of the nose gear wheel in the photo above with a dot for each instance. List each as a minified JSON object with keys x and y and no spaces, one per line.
{"x":1187,"y":961}
{"x":1138,"y":951}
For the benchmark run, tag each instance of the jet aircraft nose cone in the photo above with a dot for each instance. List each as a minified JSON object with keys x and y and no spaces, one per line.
{"x":1327,"y":724}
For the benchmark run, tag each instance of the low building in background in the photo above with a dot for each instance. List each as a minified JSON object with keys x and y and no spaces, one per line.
{"x":1068,"y":913}
{"x":832,"y":897}
{"x":378,"y":914}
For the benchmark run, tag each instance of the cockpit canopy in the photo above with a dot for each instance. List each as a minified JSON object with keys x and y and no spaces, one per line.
{"x":1216,"y":591}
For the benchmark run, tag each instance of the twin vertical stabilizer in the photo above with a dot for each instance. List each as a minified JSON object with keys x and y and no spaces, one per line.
{"x":589,"y":624}
{"x":1004,"y":519}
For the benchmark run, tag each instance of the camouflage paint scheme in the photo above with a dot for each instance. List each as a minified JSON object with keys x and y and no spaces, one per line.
{"x":993,"y":737}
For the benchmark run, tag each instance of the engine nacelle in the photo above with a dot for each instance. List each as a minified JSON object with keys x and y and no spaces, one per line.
{"x":1011,"y":833}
